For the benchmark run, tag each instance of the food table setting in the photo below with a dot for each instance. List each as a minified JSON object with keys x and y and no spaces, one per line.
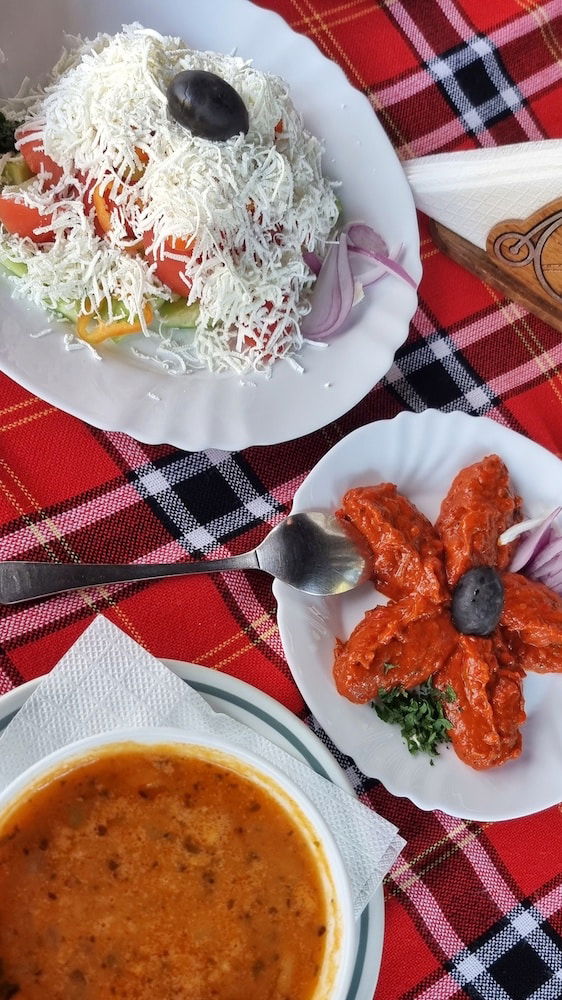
{"x":396,"y":368}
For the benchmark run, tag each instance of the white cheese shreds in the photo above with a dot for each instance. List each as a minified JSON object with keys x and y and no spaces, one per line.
{"x":40,"y":333}
{"x":245,"y":209}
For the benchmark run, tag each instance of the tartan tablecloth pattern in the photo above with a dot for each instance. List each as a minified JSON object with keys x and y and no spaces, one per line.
{"x":472,"y":910}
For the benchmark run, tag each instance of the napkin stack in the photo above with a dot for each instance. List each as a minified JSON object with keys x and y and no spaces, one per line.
{"x":106,"y":681}
{"x":472,"y":190}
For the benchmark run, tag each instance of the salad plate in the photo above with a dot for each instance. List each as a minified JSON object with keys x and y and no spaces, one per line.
{"x":421,"y":453}
{"x":264,"y":715}
{"x":123,"y":392}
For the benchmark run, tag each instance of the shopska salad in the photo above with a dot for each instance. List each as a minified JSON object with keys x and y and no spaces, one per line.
{"x":150,"y":188}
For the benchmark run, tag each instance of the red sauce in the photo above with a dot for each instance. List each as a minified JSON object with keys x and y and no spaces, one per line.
{"x":412,"y":639}
{"x":397,"y":644}
{"x":150,"y":875}
{"x":407,"y":552}
{"x":488,"y":708}
{"x":532,"y":622}
{"x":480,"y":505}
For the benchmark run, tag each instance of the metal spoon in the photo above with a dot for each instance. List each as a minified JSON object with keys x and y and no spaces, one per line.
{"x":313,"y":552}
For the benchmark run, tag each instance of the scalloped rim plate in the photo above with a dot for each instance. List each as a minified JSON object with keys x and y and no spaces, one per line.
{"x":200,"y":411}
{"x":421,"y":453}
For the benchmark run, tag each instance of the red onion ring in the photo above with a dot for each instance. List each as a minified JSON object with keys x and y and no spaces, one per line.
{"x":334,"y":291}
{"x":339,"y":274}
{"x":539,"y":556}
{"x":536,"y":539}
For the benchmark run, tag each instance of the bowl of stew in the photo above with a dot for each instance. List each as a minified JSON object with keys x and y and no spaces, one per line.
{"x":143,"y":863}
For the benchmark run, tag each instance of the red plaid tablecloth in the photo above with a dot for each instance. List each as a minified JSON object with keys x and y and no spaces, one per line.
{"x":472,"y":910}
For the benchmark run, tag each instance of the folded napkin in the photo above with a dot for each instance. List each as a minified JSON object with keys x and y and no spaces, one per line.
{"x":106,"y":681}
{"x":471,"y":190}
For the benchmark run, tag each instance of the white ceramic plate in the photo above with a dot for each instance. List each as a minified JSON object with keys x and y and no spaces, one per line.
{"x":201,"y":410}
{"x":264,"y":715}
{"x":421,"y":453}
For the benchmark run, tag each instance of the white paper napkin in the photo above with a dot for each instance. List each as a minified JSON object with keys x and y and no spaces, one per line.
{"x":107,"y":681}
{"x":471,"y":190}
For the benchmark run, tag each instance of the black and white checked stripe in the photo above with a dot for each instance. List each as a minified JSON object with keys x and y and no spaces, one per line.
{"x":205,"y":498}
{"x":520,"y":958}
{"x":474,"y":81}
{"x":433,"y":372}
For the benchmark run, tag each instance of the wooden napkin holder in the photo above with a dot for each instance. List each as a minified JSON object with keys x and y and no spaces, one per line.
{"x":522,"y":259}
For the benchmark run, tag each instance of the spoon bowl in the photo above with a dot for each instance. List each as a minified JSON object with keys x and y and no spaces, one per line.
{"x":315,"y":552}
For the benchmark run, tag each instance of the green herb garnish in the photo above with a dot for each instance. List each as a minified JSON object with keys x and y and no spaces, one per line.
{"x":389,"y":666}
{"x":7,"y":136}
{"x":419,"y":713}
{"x":449,"y":693}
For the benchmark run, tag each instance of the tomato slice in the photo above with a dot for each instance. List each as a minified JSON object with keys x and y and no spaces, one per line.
{"x":22,"y":220}
{"x":142,"y":155}
{"x":168,"y":269}
{"x":254,"y":338}
{"x":36,"y":158}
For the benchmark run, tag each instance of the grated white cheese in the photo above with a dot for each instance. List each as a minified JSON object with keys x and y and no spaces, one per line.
{"x":40,"y":333}
{"x":72,"y":343}
{"x":249,"y":206}
{"x":295,"y":365}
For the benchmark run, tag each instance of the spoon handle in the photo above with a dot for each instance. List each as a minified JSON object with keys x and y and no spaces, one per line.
{"x":23,"y":581}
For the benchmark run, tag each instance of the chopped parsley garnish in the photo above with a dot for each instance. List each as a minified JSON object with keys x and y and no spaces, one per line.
{"x":389,"y":666}
{"x":419,"y":713}
{"x":7,"y":137}
{"x":449,"y":693}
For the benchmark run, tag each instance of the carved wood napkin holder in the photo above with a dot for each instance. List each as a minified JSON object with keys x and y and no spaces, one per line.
{"x":475,"y":198}
{"x":522,"y":259}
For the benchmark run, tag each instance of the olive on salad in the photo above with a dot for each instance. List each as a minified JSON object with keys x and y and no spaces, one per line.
{"x":478,"y":601}
{"x":207,"y":105}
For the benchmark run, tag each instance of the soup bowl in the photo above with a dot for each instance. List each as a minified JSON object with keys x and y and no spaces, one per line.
{"x":169,"y":749}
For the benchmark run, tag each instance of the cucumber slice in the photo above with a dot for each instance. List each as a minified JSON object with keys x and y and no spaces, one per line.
{"x":68,"y":310}
{"x":16,"y":267}
{"x":71,"y":311}
{"x":118,"y":311}
{"x":179,"y":314}
{"x":339,"y":206}
{"x":16,"y":171}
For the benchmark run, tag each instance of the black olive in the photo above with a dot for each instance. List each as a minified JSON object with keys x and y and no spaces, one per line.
{"x":478,"y":601}
{"x":207,"y":105}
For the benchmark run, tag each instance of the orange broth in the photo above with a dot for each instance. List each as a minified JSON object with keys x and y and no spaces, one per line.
{"x":148,"y":873}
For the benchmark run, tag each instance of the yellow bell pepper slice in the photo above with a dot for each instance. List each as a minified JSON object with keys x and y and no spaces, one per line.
{"x":104,"y":331}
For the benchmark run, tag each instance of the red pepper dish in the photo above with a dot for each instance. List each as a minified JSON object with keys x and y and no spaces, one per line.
{"x":417,"y":566}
